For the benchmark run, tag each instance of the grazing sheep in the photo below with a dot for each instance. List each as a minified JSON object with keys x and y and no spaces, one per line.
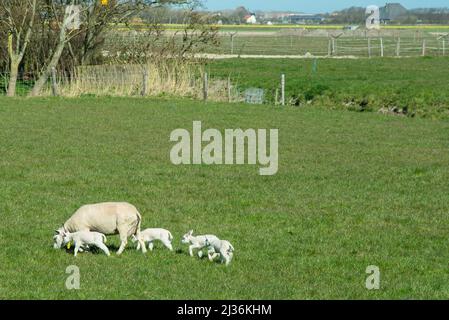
{"x":83,"y":238}
{"x":151,"y":235}
{"x":222,"y":249}
{"x":198,"y":242}
{"x":108,"y":218}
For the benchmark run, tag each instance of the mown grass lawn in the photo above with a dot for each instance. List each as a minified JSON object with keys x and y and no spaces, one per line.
{"x":353,"y":190}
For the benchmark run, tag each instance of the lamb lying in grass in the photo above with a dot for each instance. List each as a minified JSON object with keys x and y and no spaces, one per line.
{"x":198,"y":242}
{"x":86,"y":238}
{"x":151,"y":235}
{"x":222,"y":249}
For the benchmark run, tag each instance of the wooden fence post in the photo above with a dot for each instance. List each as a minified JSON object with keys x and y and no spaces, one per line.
{"x":232,"y":41}
{"x":54,"y":84}
{"x":369,"y":47}
{"x":229,"y":90}
{"x":398,"y":48}
{"x":444,"y":47}
{"x":381,"y":47}
{"x":283,"y":89}
{"x":205,"y":86}
{"x":424,"y":47}
{"x":329,"y":48}
{"x":145,"y":82}
{"x":334,"y":49}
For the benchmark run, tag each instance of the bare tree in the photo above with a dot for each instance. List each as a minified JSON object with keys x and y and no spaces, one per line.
{"x":97,"y":17}
{"x":19,"y":16}
{"x":65,"y":34}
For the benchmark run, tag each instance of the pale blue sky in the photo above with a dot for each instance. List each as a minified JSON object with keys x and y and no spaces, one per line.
{"x":314,"y":6}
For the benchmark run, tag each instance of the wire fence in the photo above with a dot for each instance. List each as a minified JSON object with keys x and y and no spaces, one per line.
{"x":334,"y":45}
{"x":128,"y":81}
{"x":300,"y":42}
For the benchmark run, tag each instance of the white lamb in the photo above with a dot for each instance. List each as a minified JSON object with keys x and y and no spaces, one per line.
{"x":83,"y":238}
{"x":151,"y":235}
{"x":222,"y":249}
{"x":198,"y":242}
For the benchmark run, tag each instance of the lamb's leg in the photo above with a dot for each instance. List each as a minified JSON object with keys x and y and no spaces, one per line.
{"x":142,"y":245}
{"x":77,"y":248}
{"x":138,"y":246}
{"x":225,"y":257}
{"x":103,"y":247}
{"x":168,"y":245}
{"x":150,"y":245}
{"x":211,"y":254}
{"x":193,"y":246}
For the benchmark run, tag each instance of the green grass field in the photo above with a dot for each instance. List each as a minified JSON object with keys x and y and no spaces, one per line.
{"x":353,"y":190}
{"x":418,"y":85}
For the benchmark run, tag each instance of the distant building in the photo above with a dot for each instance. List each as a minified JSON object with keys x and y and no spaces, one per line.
{"x":305,"y":18}
{"x":391,"y":12}
{"x":251,"y":19}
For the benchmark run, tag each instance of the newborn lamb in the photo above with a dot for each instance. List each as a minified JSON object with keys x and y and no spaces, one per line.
{"x":84,"y":238}
{"x":151,"y":235}
{"x":222,"y":249}
{"x":198,"y":242}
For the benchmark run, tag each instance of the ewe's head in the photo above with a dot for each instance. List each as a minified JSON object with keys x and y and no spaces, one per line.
{"x":187,"y":237}
{"x":58,"y":238}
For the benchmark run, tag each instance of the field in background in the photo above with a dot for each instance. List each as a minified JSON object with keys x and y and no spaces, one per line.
{"x":418,"y":86}
{"x":317,"y":40}
{"x":353,"y":190}
{"x":276,"y":27}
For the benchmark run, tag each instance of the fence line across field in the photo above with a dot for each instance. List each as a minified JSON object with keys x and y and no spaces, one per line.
{"x":136,"y":80}
{"x":363,"y":46}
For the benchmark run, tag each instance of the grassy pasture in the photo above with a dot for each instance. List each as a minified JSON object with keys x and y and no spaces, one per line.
{"x":418,"y":84}
{"x":353,"y":190}
{"x":313,"y":39}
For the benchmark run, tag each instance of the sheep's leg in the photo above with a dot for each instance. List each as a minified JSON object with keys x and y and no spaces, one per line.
{"x":168,"y":245}
{"x":103,"y":247}
{"x":225,"y":257}
{"x":123,"y":241}
{"x":193,"y":246}
{"x":138,"y":246}
{"x":211,"y":254}
{"x":150,"y":245}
